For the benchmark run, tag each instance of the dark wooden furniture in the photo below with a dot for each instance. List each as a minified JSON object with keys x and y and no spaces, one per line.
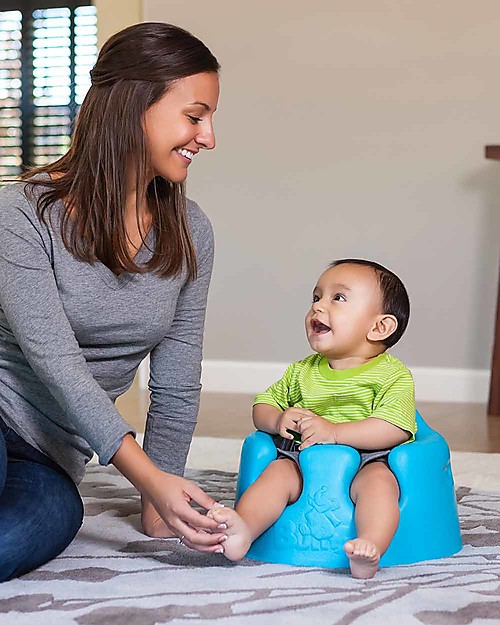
{"x":493,"y":151}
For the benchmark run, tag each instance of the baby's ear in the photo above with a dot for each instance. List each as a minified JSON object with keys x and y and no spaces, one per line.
{"x":384,"y":326}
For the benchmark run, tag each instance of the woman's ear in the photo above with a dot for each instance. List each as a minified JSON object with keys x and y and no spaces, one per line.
{"x":384,"y":326}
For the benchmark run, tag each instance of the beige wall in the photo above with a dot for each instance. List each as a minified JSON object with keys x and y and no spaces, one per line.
{"x":350,"y":129}
{"x":113,"y":15}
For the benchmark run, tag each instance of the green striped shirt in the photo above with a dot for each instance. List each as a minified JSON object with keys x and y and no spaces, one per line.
{"x":382,"y":388}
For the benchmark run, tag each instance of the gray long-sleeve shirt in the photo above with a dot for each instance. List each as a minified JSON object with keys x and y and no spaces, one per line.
{"x":72,"y":335}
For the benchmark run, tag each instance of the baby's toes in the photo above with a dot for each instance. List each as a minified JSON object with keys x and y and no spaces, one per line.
{"x":216,"y":511}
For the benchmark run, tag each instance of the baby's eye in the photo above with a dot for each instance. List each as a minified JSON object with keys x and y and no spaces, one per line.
{"x":338,"y":297}
{"x":315,"y":298}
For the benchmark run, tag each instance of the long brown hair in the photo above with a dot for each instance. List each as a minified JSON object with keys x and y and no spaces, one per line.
{"x":134,"y":69}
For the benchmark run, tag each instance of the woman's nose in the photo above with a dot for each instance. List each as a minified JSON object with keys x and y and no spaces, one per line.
{"x":206,"y":139}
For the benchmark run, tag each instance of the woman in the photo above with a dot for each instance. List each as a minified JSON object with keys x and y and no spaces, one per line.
{"x":103,"y":261}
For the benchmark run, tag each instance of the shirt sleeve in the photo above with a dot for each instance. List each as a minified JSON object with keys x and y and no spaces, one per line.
{"x":33,"y":309}
{"x":175,"y":368}
{"x":395,"y":403}
{"x":278,"y":394}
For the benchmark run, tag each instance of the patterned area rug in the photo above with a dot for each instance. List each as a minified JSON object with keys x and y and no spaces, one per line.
{"x":113,"y":574}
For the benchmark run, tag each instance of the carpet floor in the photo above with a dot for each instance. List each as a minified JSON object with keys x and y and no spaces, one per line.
{"x":113,"y":574}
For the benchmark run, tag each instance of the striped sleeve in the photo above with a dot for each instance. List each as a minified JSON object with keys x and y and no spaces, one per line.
{"x":277,"y":394}
{"x":395,"y":403}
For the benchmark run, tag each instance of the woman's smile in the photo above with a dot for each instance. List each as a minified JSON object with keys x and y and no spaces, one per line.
{"x":186,"y":155}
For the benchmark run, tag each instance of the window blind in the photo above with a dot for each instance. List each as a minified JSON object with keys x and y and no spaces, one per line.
{"x":10,"y":93}
{"x":46,"y":54}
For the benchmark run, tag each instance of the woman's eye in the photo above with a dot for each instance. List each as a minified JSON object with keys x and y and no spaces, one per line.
{"x":194,"y":120}
{"x":338,"y":297}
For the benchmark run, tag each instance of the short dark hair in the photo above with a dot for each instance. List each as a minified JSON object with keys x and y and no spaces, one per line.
{"x":395,"y":300}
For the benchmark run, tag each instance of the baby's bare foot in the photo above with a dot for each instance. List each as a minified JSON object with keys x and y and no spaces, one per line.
{"x":238,"y":535}
{"x":363,"y":557}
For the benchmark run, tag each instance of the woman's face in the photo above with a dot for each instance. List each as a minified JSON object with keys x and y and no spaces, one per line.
{"x":179,"y":125}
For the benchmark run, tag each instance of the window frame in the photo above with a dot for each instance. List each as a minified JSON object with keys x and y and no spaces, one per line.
{"x":32,"y":5}
{"x":27,"y":105}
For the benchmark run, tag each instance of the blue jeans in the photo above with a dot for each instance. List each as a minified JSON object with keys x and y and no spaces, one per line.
{"x":40,"y":507}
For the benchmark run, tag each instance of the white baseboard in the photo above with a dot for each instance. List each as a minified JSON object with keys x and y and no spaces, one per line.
{"x":431,"y":383}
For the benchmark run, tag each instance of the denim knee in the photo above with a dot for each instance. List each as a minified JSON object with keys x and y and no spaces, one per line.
{"x":40,"y":513}
{"x":3,"y":463}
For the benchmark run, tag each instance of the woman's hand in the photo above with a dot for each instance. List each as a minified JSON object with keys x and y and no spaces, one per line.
{"x":175,"y":516}
{"x":170,"y":496}
{"x":314,"y":430}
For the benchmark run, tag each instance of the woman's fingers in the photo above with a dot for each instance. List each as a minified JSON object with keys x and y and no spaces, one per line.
{"x":190,"y":521}
{"x":195,"y":493}
{"x":197,"y":539}
{"x":217,"y":548}
{"x":173,"y":505}
{"x":189,"y":516}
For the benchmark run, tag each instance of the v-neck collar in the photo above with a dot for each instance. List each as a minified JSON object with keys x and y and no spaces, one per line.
{"x":119,"y":281}
{"x":109,"y":277}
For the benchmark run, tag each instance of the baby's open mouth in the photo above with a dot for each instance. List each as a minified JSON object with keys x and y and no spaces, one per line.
{"x":318,"y":327}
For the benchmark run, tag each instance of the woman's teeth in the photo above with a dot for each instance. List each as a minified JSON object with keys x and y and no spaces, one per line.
{"x":186,"y":153}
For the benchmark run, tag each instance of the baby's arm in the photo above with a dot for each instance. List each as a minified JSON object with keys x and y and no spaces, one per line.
{"x":265,"y":417}
{"x":371,"y":433}
{"x":270,"y":419}
{"x":271,"y":410}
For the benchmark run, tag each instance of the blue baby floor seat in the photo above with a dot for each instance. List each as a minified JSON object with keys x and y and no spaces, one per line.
{"x":313,"y":530}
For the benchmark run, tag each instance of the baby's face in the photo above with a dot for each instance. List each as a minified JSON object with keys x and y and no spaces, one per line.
{"x":346,"y":302}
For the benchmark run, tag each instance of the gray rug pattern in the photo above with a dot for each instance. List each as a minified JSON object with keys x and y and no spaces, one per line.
{"x":113,"y":574}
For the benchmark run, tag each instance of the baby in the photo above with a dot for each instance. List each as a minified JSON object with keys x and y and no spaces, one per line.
{"x":349,"y":392}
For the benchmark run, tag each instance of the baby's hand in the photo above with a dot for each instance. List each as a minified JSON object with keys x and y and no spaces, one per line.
{"x":289,"y":419}
{"x":315,"y":430}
